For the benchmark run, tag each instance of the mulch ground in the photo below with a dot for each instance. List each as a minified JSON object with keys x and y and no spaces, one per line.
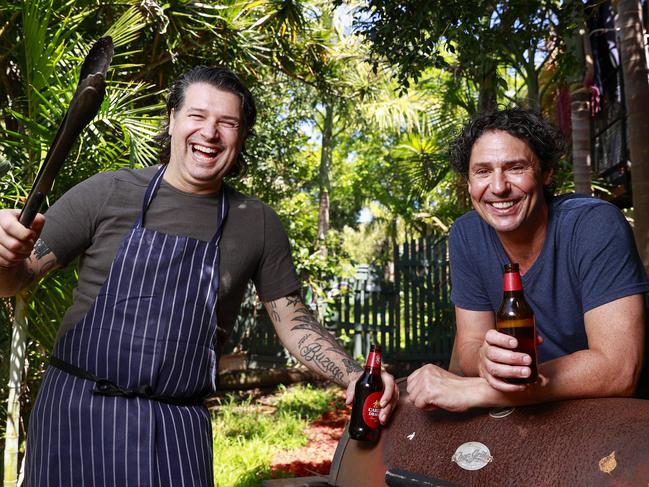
{"x":314,"y":458}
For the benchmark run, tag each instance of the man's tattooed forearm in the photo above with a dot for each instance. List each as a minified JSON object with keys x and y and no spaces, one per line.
{"x":303,"y":339}
{"x":317,"y":346}
{"x":274,"y":315}
{"x":308,"y":323}
{"x":294,"y":300}
{"x":351,"y":366}
{"x":40,"y":249}
{"x":313,"y":353}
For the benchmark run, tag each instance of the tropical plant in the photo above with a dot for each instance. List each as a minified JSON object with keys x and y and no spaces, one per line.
{"x":43,"y":71}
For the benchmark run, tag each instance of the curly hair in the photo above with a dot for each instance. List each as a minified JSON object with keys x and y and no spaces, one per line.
{"x":222,"y":79}
{"x":545,"y":140}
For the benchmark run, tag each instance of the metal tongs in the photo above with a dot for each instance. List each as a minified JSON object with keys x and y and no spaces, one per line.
{"x":84,"y":106}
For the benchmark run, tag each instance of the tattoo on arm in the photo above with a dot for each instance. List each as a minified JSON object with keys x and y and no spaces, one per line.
{"x":294,"y":300}
{"x":303,"y":339}
{"x":274,"y":315}
{"x":351,"y":366}
{"x":29,"y":270}
{"x":41,"y":250}
{"x":317,"y":345}
{"x":41,"y":261}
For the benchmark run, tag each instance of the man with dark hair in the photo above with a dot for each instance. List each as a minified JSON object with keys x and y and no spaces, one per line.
{"x":580,"y":271}
{"x":165,"y":256}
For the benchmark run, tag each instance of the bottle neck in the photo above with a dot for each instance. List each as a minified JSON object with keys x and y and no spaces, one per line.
{"x":512,"y":282}
{"x":373,"y":363}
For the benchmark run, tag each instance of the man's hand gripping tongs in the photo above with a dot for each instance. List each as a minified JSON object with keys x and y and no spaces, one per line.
{"x":84,"y":106}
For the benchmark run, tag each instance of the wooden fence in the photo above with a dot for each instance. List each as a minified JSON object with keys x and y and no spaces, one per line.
{"x":409,"y":313}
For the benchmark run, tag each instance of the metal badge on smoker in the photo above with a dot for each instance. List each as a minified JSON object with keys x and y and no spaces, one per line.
{"x":472,"y":455}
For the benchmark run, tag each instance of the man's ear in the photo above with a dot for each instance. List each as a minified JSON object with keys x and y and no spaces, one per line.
{"x":547,"y":176}
{"x":172,"y":116}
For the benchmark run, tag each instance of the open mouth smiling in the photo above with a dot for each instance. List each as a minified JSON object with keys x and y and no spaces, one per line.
{"x":204,"y":152}
{"x":502,"y":205}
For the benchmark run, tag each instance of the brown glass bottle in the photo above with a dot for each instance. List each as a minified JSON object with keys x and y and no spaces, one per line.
{"x":516,"y":318}
{"x":364,"y":423}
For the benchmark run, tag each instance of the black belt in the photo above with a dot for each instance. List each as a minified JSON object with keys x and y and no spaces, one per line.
{"x":104,"y":387}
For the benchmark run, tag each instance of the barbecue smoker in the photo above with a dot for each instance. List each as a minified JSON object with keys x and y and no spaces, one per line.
{"x":590,"y":442}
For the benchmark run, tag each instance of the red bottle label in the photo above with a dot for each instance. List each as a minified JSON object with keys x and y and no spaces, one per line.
{"x":373,"y":360}
{"x":512,"y":282}
{"x":371,"y":409}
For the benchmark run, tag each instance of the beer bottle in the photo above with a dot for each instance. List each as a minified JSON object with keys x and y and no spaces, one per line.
{"x":516,"y":318}
{"x":364,"y":423}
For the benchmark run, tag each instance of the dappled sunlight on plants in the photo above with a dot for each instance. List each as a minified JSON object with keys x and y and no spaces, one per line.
{"x":291,"y":432}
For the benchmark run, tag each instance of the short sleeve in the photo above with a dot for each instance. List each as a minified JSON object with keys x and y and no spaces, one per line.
{"x":607,"y":260}
{"x":70,"y":222}
{"x":275,"y":276}
{"x":467,"y":285}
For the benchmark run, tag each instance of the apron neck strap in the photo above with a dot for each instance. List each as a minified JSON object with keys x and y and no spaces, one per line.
{"x":152,"y":190}
{"x":224,"y":207}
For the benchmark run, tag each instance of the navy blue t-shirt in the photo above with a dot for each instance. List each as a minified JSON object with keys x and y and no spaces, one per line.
{"x":589,"y":258}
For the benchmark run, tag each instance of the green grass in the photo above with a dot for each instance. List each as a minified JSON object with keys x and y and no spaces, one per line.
{"x":247,"y":434}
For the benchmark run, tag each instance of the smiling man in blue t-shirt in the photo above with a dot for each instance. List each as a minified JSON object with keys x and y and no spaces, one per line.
{"x":580,"y":271}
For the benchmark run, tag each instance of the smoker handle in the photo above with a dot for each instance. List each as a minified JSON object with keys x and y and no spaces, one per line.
{"x":403,"y":478}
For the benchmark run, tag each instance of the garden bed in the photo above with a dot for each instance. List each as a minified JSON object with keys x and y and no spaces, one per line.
{"x":283,"y":432}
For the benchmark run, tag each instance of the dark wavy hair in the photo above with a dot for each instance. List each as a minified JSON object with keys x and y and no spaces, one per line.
{"x":545,"y":140}
{"x":222,"y":79}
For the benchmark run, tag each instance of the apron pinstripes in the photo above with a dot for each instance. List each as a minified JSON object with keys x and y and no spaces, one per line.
{"x":153,"y":323}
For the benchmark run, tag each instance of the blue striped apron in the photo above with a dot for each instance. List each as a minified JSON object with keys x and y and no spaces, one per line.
{"x":152,"y":327}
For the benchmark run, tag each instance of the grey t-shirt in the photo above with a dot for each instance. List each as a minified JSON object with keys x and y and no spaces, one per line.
{"x":91,"y":220}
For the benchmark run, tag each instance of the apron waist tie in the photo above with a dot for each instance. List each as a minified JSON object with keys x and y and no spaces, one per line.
{"x":104,"y":387}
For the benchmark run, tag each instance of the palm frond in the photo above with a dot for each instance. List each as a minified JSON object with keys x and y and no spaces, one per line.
{"x":48,"y":303}
{"x":126,"y":28}
{"x":131,"y":115}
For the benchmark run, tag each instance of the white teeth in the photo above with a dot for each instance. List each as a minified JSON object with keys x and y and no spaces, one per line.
{"x":207,"y":150}
{"x":502,"y":205}
{"x":204,"y":153}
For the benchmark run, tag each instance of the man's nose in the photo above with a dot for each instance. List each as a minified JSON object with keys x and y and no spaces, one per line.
{"x":499,"y":183}
{"x":210,"y":131}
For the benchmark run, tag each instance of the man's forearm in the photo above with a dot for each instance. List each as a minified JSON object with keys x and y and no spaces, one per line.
{"x":14,"y":279}
{"x":17,"y":277}
{"x":469,"y":357}
{"x":609,"y":367}
{"x":583,"y":374}
{"x":309,"y":342}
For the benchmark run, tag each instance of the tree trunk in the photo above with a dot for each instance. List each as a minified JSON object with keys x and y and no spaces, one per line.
{"x":580,"y":122}
{"x":16,"y":365}
{"x":325,"y":183}
{"x":580,"y":118}
{"x":628,"y":22}
{"x":533,"y":91}
{"x":487,"y":96}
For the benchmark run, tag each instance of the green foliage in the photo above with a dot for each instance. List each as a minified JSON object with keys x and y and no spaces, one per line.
{"x":482,"y":44}
{"x":306,"y":402}
{"x":246,"y":434}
